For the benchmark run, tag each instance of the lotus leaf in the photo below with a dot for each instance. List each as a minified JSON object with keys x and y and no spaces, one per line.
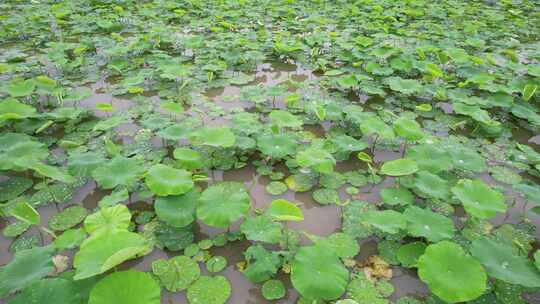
{"x":276,"y":188}
{"x":209,"y":290}
{"x":374,"y":125}
{"x":277,"y":145}
{"x":284,"y":119}
{"x":120,"y":171}
{"x":262,"y":229}
{"x":425,"y":223}
{"x":388,"y":221}
{"x":408,"y":129}
{"x":18,"y":150}
{"x":13,"y":109}
{"x":283,"y":210}
{"x":262,"y":264}
{"x":117,"y":196}
{"x":397,"y":196}
{"x":70,"y":239}
{"x":318,"y":159}
{"x":109,"y":218}
{"x":26,"y":213}
{"x":430,"y":157}
{"x":479,"y":199}
{"x":214,"y":137}
{"x":68,"y":218}
{"x":177,"y":273}
{"x":468,"y":159}
{"x":399,"y":167}
{"x":343,"y":244}
{"x":173,"y":238}
{"x":409,"y":254}
{"x":126,"y":287}
{"x":164,"y":180}
{"x":177,"y":210}
{"x":13,"y":187}
{"x":273,"y":290}
{"x":430,"y":185}
{"x":325,"y":196}
{"x":15,"y":229}
{"x":216,"y":264}
{"x":83,"y":164}
{"x":52,"y":172}
{"x":222,"y":204}
{"x":405,"y":86}
{"x":188,"y":158}
{"x":49,"y":291}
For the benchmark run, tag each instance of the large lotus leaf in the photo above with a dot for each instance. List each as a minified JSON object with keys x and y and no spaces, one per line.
{"x":119,"y":171}
{"x":262,"y":264}
{"x":467,"y":159}
{"x":223,"y":203}
{"x":426,"y":223}
{"x":405,"y":86}
{"x":374,"y":125}
{"x":504,"y":263}
{"x":105,"y":250}
{"x":21,"y":88}
{"x":408,"y":129}
{"x":215,"y":137}
{"x":452,"y":274}
{"x":51,"y":172}
{"x":479,"y":199}
{"x":15,"y":229}
{"x":82,"y":164}
{"x":277,"y":145}
{"x":26,"y":213}
{"x":209,"y":290}
{"x":68,"y":218}
{"x":316,"y":158}
{"x":261,"y":229}
{"x":318,"y":274}
{"x":399,"y":167}
{"x":344,"y":245}
{"x":354,"y":222}
{"x":18,"y":150}
{"x":397,"y":196}
{"x":326,"y":196}
{"x":177,"y":210}
{"x":175,"y":132}
{"x":284,"y":119}
{"x":13,"y":187}
{"x":188,"y":158}
{"x":26,"y":267}
{"x":13,"y":109}
{"x":164,"y":180}
{"x":430,"y":158}
{"x":70,"y":239}
{"x":346,"y":143}
{"x":388,"y":221}
{"x":49,"y":291}
{"x":430,"y":185}
{"x":177,"y":273}
{"x":409,"y":254}
{"x":474,"y":112}
{"x":283,"y":210}
{"x":109,"y":218}
{"x":126,"y":287}
{"x":300,"y":182}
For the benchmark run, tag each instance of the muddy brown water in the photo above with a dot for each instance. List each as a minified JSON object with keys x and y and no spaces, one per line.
{"x":321,"y":220}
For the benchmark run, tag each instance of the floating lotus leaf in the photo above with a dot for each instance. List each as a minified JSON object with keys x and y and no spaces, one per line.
{"x":283,"y":210}
{"x":26,"y":267}
{"x":262,"y":229}
{"x":505,"y":175}
{"x":474,"y":112}
{"x":188,"y":158}
{"x":345,"y":143}
{"x":531,"y":192}
{"x":409,"y":254}
{"x":214,"y":137}
{"x":21,"y":88}
{"x":13,"y":109}
{"x":344,"y":245}
{"x":173,"y":238}
{"x":468,"y":159}
{"x":318,"y":159}
{"x":325,"y":196}
{"x":425,"y":223}
{"x":177,"y":210}
{"x":277,"y":145}
{"x":300,"y":182}
{"x":117,"y":196}
{"x":18,"y":150}
{"x":399,"y":167}
{"x":430,"y":185}
{"x":216,"y":264}
{"x":164,"y":180}
{"x":273,"y":290}
{"x":354,"y":222}
{"x":66,"y":113}
{"x":209,"y":290}
{"x":262,"y":264}
{"x":276,"y":188}
{"x":126,"y":287}
{"x":120,"y":171}
{"x":15,"y":229}
{"x":331,"y":279}
{"x":223,"y":203}
{"x":83,"y":164}
{"x":284,"y":119}
{"x":70,"y":239}
{"x":247,"y":123}
{"x":49,"y":291}
{"x":397,"y":196}
{"x":479,"y":199}
{"x":68,"y":218}
{"x":26,"y":213}
{"x":373,"y":125}
{"x":405,"y":86}
{"x":408,"y":129}
{"x":52,"y":172}
{"x":13,"y":187}
{"x":504,"y":263}
{"x":109,"y":218}
{"x":177,"y":273}
{"x":430,"y":158}
{"x":105,"y":250}
{"x":388,"y":221}
{"x":451,"y":274}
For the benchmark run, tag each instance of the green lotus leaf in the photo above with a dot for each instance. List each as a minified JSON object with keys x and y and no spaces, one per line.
{"x":18,"y":150}
{"x":531,"y":192}
{"x":354,"y":222}
{"x":345,"y":143}
{"x":262,"y":229}
{"x":277,"y":145}
{"x":504,"y":175}
{"x":408,"y":129}
{"x":426,"y":223}
{"x":409,"y":254}
{"x":120,"y":171}
{"x":214,"y":137}
{"x":363,"y":290}
{"x":464,"y":277}
{"x":373,"y":125}
{"x":479,"y":199}
{"x":51,"y":171}
{"x":26,"y":267}
{"x":405,"y":86}
{"x":209,"y":290}
{"x":110,"y":123}
{"x":325,"y":196}
{"x":15,"y":229}
{"x":21,"y":88}
{"x":188,"y":158}
{"x":177,"y":210}
{"x":388,"y":221}
{"x":247,"y":123}
{"x":108,"y":219}
{"x":504,"y":263}
{"x":117,"y":196}
{"x":331,"y":279}
{"x":83,"y":164}
{"x":283,"y":210}
{"x":49,"y":291}
{"x":176,"y":132}
{"x":344,"y":245}
{"x":284,"y":119}
{"x":399,"y":167}
{"x":105,"y":250}
{"x":223,"y":203}
{"x":68,"y":218}
{"x":276,"y":188}
{"x":468,"y":159}
{"x":164,"y":180}
{"x":300,"y":182}
{"x":475,"y":113}
{"x":65,"y":113}
{"x":318,"y":159}
{"x":397,"y":196}
{"x":26,"y":213}
{"x":13,"y":187}
{"x":430,"y":158}
{"x":273,"y":290}
{"x":173,"y":238}
{"x":126,"y":287}
{"x":216,"y":264}
{"x":177,"y":273}
{"x":430,"y":185}
{"x":70,"y":239}
{"x":13,"y":109}
{"x":262,"y":264}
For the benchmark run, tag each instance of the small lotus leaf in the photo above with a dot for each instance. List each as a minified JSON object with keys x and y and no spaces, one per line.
{"x":273,"y":290}
{"x":164,"y":180}
{"x":177,"y":273}
{"x":399,"y":167}
{"x":223,"y":203}
{"x":209,"y":290}
{"x":68,"y":218}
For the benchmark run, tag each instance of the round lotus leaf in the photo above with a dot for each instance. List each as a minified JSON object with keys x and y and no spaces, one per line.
{"x":318,"y":159}
{"x":276,"y":188}
{"x":68,"y":218}
{"x":468,"y":159}
{"x":531,"y":192}
{"x":18,"y":150}
{"x":110,"y":218}
{"x":83,"y":164}
{"x":325,"y":196}
{"x":318,"y":274}
{"x":408,"y":129}
{"x":373,"y":125}
{"x":205,"y":244}
{"x":409,"y":254}
{"x":479,"y":199}
{"x":451,"y":274}
{"x":54,"y":290}
{"x":119,"y":171}
{"x":300,"y":182}
{"x":284,"y":119}
{"x":16,"y":229}
{"x":388,"y":221}
{"x":216,"y":264}
{"x":70,"y":239}
{"x":332,"y":180}
{"x":503,"y":263}
{"x":20,"y":88}
{"x":177,"y":210}
{"x":262,"y":229}
{"x":399,"y":167}
{"x":173,"y":238}
{"x":397,"y":196}
{"x":164,"y":180}
{"x":283,"y":210}
{"x":430,"y":185}
{"x":12,"y":109}
{"x":426,"y":223}
{"x":214,"y":137}
{"x":177,"y":273}
{"x":430,"y":157}
{"x":405,"y":86}
{"x":346,"y":143}
{"x":344,"y":245}
{"x":273,"y":290}
{"x":126,"y":287}
{"x":188,"y":158}
{"x":223,"y":203}
{"x":277,"y":146}
{"x":209,"y":290}
{"x":13,"y":187}
{"x":505,"y":175}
